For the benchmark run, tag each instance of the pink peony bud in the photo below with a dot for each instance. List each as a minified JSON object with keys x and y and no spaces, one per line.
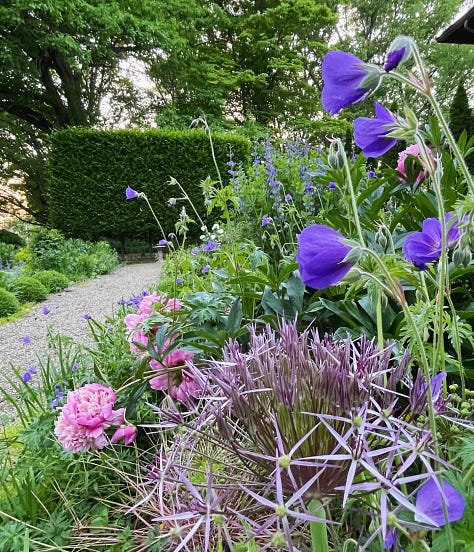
{"x":127,"y":433}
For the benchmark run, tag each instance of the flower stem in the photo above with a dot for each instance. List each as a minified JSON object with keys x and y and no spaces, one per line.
{"x":350,"y":187}
{"x":318,"y":529}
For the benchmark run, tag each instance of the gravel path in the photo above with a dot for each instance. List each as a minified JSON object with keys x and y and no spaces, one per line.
{"x":97,"y":298}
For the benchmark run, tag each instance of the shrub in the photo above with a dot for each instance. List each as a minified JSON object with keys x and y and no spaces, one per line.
{"x":9,"y":304}
{"x":5,"y":280}
{"x":11,"y":237}
{"x":50,"y":250}
{"x":7,"y":253}
{"x":52,"y":280}
{"x":89,"y":171}
{"x":27,"y":288}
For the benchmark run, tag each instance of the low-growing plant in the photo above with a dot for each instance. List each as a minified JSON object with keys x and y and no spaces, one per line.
{"x":9,"y":304}
{"x":52,"y":280}
{"x":29,"y":289}
{"x":77,"y":259}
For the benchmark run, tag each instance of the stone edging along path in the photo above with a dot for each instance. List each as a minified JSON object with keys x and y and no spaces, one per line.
{"x":96,"y":298}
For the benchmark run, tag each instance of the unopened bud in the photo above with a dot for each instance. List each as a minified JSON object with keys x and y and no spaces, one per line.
{"x":411,"y":118}
{"x":404,"y":43}
{"x":462,"y":256}
{"x":381,"y":238}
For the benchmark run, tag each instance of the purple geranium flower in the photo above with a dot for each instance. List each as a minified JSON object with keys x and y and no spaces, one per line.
{"x":393,"y":59}
{"x":45,"y":310}
{"x":266,"y":220}
{"x":370,"y":133}
{"x":425,"y":247}
{"x":320,"y":256}
{"x":429,"y":502}
{"x":205,"y":269}
{"x":195,"y":251}
{"x":26,"y":340}
{"x":371,"y":174}
{"x":209,"y":246}
{"x":345,"y":79}
{"x":26,"y":377}
{"x":130,"y":193}
{"x":332,"y":185}
{"x":87,"y":316}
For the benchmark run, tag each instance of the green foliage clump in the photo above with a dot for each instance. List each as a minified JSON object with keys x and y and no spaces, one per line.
{"x":11,"y":237}
{"x":52,"y":280}
{"x":28,"y":288}
{"x":89,"y":171}
{"x":75,"y":258}
{"x":9,"y":304}
{"x":5,"y":280}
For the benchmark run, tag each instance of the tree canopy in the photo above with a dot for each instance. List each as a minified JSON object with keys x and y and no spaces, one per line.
{"x":236,"y":62}
{"x":58,"y":59}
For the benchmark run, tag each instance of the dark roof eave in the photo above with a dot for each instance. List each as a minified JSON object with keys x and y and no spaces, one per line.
{"x":461,"y":31}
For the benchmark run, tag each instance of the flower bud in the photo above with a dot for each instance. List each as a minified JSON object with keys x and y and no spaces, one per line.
{"x":411,"y":118}
{"x":336,"y":156}
{"x":402,"y":47}
{"x":381,"y":238}
{"x":462,"y":256}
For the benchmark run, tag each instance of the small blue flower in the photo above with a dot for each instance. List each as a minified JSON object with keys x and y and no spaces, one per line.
{"x":205,"y":269}
{"x":75,"y":367}
{"x":54,"y":403}
{"x":393,"y":59}
{"x":179,"y":281}
{"x":371,"y":174}
{"x":45,"y":310}
{"x":26,"y":340}
{"x":87,"y":316}
{"x":32,"y":370}
{"x":162,"y":243}
{"x":424,"y":247}
{"x":26,"y":377}
{"x":266,"y":220}
{"x":195,"y":251}
{"x":332,"y":185}
{"x":288,"y":198}
{"x":429,"y":503}
{"x":370,"y":133}
{"x":347,"y":80}
{"x":209,"y":246}
{"x":130,"y":193}
{"x":320,"y":256}
{"x":60,"y":394}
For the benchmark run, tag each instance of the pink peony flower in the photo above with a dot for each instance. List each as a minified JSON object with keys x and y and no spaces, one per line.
{"x":128,"y":433}
{"x":173,"y":304}
{"x":413,"y":150}
{"x":146,"y":304}
{"x":88,"y":412}
{"x":179,"y":383}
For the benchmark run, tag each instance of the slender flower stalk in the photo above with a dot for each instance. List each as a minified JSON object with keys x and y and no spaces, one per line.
{"x":350,"y":187}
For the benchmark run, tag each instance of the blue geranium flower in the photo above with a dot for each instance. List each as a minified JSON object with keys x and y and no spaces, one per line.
{"x":130,"y":193}
{"x":347,"y":80}
{"x":424,"y":247}
{"x":429,"y":503}
{"x":320,"y":256}
{"x":370,"y":133}
{"x":393,"y":59}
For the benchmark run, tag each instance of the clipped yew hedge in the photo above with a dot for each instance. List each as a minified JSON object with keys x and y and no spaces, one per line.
{"x":89,"y":170}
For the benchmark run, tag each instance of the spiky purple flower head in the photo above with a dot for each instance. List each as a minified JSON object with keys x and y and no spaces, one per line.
{"x":285,"y":378}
